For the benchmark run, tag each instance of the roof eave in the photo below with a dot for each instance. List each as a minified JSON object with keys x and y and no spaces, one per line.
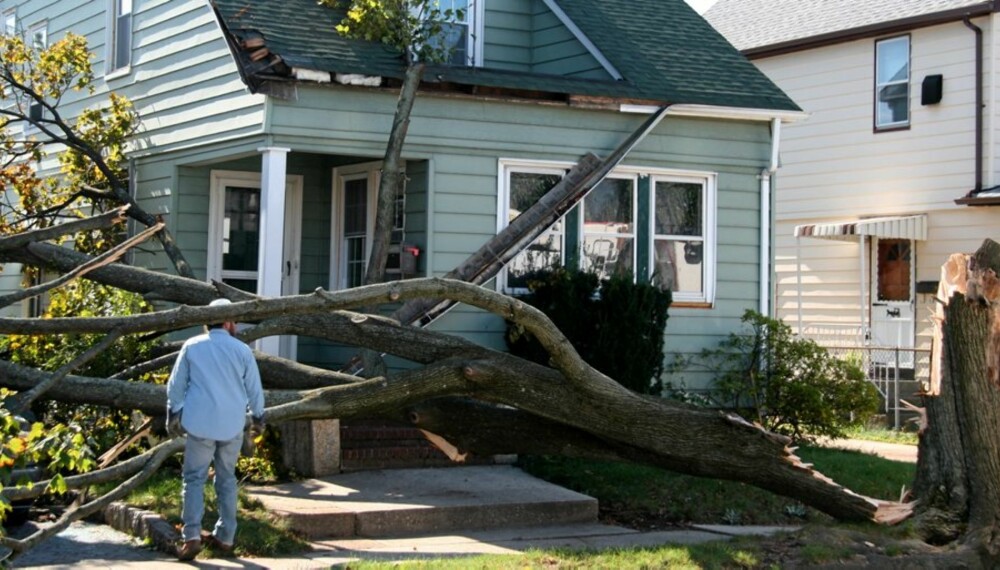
{"x":719,"y":112}
{"x":873,"y":30}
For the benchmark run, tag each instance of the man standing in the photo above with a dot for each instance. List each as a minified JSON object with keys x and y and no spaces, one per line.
{"x":214,"y":381}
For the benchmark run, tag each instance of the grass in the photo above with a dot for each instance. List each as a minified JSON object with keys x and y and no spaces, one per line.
{"x":257,"y":533}
{"x":878,"y":433}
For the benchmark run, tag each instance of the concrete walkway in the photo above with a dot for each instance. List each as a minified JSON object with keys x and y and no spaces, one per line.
{"x":892,"y":451}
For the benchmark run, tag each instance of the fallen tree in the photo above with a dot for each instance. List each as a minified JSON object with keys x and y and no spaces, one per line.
{"x":481,"y":400}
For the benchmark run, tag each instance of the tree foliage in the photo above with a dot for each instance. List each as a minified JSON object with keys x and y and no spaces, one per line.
{"x":789,"y":384}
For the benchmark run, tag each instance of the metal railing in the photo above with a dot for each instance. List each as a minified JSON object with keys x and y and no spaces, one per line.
{"x":897,"y":373}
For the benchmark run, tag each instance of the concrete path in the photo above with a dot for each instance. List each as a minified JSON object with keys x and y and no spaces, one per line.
{"x":893,"y":451}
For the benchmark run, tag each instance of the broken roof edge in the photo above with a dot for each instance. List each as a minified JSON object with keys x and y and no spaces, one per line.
{"x":871,"y":30}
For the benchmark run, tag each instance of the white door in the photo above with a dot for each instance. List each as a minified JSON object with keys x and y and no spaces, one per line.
{"x":893,"y":300}
{"x":234,"y":235}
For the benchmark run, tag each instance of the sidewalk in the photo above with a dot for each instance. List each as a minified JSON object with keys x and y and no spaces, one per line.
{"x":892,"y":451}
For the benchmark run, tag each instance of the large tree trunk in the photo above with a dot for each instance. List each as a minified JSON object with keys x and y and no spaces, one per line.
{"x":958,"y":474}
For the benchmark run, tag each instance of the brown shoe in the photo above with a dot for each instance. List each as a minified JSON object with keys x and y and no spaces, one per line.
{"x":217,"y":545}
{"x":189,"y":550}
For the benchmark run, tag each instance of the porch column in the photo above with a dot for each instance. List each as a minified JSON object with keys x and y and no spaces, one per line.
{"x":272,"y":231}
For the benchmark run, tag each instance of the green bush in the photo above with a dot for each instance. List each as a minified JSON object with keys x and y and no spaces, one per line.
{"x":788,"y":384}
{"x":616,"y":325}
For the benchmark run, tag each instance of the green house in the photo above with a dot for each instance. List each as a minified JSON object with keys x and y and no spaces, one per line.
{"x":263,"y":130}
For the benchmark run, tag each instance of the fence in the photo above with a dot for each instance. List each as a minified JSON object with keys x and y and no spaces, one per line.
{"x":897,"y":373}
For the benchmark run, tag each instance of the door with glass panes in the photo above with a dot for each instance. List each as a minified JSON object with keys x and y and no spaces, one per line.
{"x":234,"y":235}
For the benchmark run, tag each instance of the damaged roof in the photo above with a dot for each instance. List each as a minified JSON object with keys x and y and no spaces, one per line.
{"x":665,"y":52}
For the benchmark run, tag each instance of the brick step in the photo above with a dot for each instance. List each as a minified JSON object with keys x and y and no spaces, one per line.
{"x":407,"y":502}
{"x":379,"y":433}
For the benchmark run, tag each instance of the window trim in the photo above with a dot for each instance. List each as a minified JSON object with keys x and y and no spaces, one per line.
{"x":634,"y":235}
{"x":10,"y":21}
{"x":710,"y":218}
{"x":899,"y":125}
{"x":43,"y":26}
{"x":341,"y":174}
{"x":111,"y":27}
{"x":709,"y":221}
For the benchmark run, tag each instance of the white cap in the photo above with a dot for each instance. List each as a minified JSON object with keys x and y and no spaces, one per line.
{"x":220,"y":302}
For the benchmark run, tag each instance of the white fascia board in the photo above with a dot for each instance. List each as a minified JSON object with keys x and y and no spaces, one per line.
{"x":579,"y":35}
{"x":716,"y":112}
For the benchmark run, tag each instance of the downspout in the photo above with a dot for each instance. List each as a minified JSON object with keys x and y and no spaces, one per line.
{"x":979,"y":103}
{"x":765,"y":220}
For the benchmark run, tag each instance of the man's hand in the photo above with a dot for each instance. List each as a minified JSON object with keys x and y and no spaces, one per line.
{"x":257,"y":426}
{"x":174,"y":427}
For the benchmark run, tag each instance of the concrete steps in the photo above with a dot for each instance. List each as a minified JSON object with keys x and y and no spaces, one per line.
{"x":408,"y":502}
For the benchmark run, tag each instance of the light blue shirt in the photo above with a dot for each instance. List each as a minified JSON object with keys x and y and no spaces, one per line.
{"x":214,"y":381}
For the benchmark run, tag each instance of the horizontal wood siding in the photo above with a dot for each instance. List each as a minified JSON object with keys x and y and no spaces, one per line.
{"x":507,"y":35}
{"x":461,"y":141}
{"x":556,"y":50}
{"x":834,"y":167}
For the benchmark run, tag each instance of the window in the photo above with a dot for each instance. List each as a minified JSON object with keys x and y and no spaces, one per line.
{"x":682,"y":248}
{"x":10,"y":23}
{"x":524,"y":186}
{"x":892,"y":82}
{"x":462,"y":35}
{"x":38,"y":35}
{"x":656,"y":224}
{"x":608,"y":240}
{"x":894,"y":270}
{"x":120,"y":32}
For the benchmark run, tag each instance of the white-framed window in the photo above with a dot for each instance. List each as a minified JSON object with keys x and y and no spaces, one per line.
{"x":522,"y":184}
{"x":892,"y":82}
{"x":355,"y":191}
{"x":10,"y":22}
{"x":608,"y":227}
{"x":674,"y":246}
{"x":119,"y":55}
{"x":463,"y":34}
{"x":683,"y":235}
{"x":38,"y":38}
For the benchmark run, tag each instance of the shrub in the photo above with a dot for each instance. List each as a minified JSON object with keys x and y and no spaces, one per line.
{"x":616,"y":325}
{"x":787,"y":384}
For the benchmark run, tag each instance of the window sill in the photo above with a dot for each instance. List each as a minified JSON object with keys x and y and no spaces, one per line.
{"x":118,"y":73}
{"x":691,"y":305}
{"x":891,"y":129}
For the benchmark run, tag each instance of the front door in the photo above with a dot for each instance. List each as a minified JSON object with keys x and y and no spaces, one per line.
{"x":234,"y":236}
{"x":893,"y":300}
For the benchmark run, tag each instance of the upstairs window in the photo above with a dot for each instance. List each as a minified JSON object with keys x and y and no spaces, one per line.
{"x":892,"y":83}
{"x":120,"y":44}
{"x":38,"y":36}
{"x":461,"y":32}
{"x":10,"y":23}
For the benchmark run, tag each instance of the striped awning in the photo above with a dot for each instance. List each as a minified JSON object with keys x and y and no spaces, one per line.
{"x":898,"y":227}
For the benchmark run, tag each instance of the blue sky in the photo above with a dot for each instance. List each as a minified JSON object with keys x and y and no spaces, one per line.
{"x":701,"y":5}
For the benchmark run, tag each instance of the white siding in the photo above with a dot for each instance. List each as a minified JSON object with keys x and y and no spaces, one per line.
{"x":834,"y":167}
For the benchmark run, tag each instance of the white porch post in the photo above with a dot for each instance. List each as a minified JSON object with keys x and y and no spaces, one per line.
{"x":272,"y":218}
{"x":865,"y":337}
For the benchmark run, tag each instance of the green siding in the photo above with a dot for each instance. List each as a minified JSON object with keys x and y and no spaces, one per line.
{"x":507,"y":35}
{"x":556,"y":51}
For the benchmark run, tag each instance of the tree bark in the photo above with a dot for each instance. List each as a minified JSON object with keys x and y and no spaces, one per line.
{"x":959,"y":465}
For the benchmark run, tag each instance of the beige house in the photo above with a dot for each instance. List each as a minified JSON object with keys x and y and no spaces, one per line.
{"x":894,"y":170}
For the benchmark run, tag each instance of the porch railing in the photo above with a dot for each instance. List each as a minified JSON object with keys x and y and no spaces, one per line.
{"x":897,"y":373}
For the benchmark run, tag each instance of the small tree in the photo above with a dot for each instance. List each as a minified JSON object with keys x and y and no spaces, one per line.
{"x":414,"y":28}
{"x":789,"y":384}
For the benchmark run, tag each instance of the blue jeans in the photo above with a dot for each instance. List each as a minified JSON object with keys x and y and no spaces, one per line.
{"x":198,"y":454}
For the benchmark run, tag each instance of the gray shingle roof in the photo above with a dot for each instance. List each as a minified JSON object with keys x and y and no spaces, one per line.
{"x":665,"y":51}
{"x":751,"y":24}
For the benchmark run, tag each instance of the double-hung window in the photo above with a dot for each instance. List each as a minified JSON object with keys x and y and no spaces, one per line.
{"x":120,"y":34}
{"x":38,"y":36}
{"x":683,"y":237}
{"x":461,"y":31}
{"x":524,"y":185}
{"x":892,"y":83}
{"x":657,"y":225}
{"x":10,"y":23}
{"x":609,"y":228}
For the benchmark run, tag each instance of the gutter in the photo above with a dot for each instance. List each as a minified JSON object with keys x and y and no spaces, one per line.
{"x":765,"y":219}
{"x":971,"y":199}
